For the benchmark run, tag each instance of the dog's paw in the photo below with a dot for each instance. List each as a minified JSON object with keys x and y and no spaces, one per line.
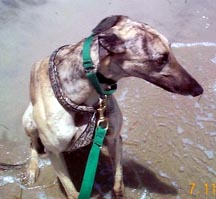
{"x":120,"y":194}
{"x":75,"y":195}
{"x":32,"y":176}
{"x":32,"y":173}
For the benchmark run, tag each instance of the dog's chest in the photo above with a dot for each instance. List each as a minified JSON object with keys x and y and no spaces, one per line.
{"x":85,"y":123}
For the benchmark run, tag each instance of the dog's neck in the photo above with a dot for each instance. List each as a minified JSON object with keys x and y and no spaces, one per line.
{"x":72,"y":75}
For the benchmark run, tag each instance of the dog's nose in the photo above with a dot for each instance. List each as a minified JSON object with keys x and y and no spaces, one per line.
{"x":198,"y":90}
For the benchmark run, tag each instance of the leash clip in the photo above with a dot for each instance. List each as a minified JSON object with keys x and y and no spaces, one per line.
{"x":102,"y":121}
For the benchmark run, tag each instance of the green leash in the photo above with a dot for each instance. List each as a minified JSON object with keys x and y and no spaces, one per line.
{"x":91,"y":167}
{"x":102,"y":124}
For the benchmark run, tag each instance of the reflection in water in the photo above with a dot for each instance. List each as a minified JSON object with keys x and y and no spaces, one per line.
{"x":10,"y":171}
{"x":136,"y":176}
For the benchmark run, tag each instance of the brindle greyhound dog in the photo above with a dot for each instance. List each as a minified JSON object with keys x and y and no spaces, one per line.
{"x":60,"y":111}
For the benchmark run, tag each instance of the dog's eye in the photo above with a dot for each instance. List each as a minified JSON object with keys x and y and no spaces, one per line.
{"x":163,"y":59}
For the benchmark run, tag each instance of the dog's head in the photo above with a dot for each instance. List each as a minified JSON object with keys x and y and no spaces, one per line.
{"x":129,"y":48}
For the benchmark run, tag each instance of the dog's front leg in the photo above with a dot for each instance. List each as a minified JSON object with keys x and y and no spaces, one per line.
{"x":115,"y":152}
{"x":114,"y":143}
{"x":33,"y":168}
{"x":31,"y":130}
{"x":59,"y":165}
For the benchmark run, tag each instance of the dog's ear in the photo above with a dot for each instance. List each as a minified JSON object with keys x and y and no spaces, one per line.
{"x":111,"y":43}
{"x":106,"y":23}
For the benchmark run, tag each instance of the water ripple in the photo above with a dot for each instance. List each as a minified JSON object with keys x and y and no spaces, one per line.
{"x":183,"y":45}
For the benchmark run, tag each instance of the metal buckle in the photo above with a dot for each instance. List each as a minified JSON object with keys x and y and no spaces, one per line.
{"x":102,"y":121}
{"x":91,"y":69}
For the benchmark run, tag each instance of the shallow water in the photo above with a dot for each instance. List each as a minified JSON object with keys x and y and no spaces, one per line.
{"x":169,"y":140}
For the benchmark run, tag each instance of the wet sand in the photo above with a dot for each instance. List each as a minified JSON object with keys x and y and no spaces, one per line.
{"x":169,"y":140}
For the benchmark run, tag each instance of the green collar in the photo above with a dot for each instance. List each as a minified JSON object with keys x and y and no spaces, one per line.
{"x":93,"y":76}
